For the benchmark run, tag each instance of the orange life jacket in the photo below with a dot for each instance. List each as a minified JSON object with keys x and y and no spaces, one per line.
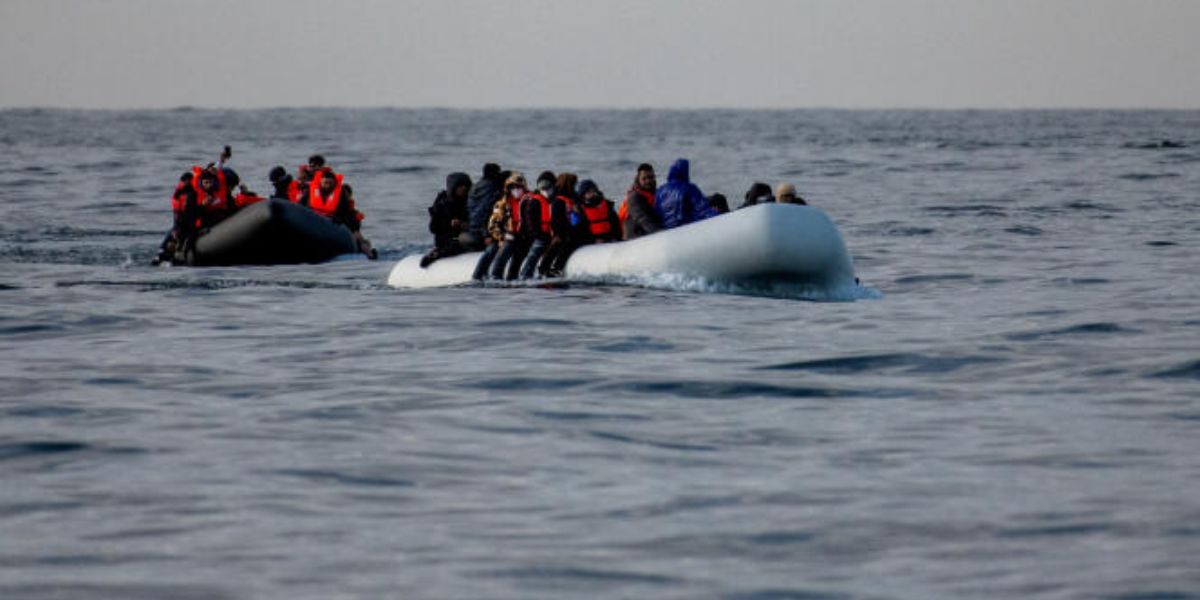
{"x":218,"y":202}
{"x":624,"y":212}
{"x":246,"y":200}
{"x":597,"y":218}
{"x":325,"y":207}
{"x":514,"y":211}
{"x":293,"y":191}
{"x":546,"y":206}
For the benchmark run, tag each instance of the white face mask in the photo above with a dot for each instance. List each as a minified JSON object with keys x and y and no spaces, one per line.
{"x":517,"y":192}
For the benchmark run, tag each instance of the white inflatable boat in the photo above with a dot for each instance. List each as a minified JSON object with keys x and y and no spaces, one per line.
{"x":764,"y":245}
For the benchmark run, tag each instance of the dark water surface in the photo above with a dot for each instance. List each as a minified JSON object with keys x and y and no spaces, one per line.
{"x":1017,"y":416}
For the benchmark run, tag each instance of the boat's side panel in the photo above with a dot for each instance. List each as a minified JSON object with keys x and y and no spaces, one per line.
{"x":774,"y":241}
{"x":454,"y":270}
{"x":781,"y":241}
{"x":272,"y":232}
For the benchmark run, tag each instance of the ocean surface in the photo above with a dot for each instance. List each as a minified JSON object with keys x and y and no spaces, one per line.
{"x":1010,"y":409}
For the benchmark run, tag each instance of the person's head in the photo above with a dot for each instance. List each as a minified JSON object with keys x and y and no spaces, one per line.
{"x":277,"y":175}
{"x":491,"y":172}
{"x":329,"y":183}
{"x":458,"y":185}
{"x":316,"y":162}
{"x":786,"y":193}
{"x":545,"y":183}
{"x":304,"y":174}
{"x":759,"y":193}
{"x":645,"y":178}
{"x":565,"y":183}
{"x":588,"y":192}
{"x":719,"y":203}
{"x":515,"y":185}
{"x":208,"y":181}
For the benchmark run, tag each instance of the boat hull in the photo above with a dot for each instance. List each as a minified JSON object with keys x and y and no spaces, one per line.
{"x":271,"y":232}
{"x":770,"y":243}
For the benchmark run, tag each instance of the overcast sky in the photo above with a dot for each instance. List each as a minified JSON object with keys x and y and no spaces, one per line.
{"x":601,"y":53}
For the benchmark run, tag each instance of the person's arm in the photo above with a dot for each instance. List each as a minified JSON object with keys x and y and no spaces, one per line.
{"x":700,"y":207}
{"x":614,"y":222}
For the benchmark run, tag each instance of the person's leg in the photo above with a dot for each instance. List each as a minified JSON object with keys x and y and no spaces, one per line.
{"x":536,"y":250}
{"x":485,"y":261}
{"x":517,"y":259}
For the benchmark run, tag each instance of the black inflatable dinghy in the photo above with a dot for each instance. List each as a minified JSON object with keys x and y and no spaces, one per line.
{"x":270,"y":232}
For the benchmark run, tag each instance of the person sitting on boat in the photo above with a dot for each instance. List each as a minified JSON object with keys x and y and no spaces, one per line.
{"x":286,"y":187}
{"x":593,"y":221}
{"x":637,"y":214}
{"x":503,"y":227}
{"x":535,"y":233}
{"x":448,"y":219}
{"x":562,"y":218}
{"x":759,"y":193}
{"x":679,"y":201}
{"x":201,"y":199}
{"x":719,"y":203}
{"x":329,"y":196}
{"x":786,"y":194}
{"x":480,"y":201}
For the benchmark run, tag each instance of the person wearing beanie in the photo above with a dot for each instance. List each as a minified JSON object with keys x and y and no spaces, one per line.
{"x":786,"y":194}
{"x":719,"y":203}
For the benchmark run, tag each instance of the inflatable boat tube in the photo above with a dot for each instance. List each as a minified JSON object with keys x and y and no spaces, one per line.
{"x":271,"y":232}
{"x":763,"y":244}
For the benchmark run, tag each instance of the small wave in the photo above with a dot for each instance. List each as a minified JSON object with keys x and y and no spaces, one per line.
{"x":408,"y":169}
{"x":724,"y":390}
{"x":1023,"y":230}
{"x":344,"y":478}
{"x":574,"y":574}
{"x":634,"y":344}
{"x":784,"y":290}
{"x":788,"y":594}
{"x":910,"y":363}
{"x":978,"y":210}
{"x":1161,"y":243}
{"x":1188,"y":370}
{"x":1147,"y":176}
{"x":1083,"y":329}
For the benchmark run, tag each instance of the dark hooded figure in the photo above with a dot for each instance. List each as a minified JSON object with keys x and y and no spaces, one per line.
{"x":480,"y":202}
{"x":281,"y":181}
{"x":448,"y":218}
{"x":759,"y":193}
{"x":678,"y":201}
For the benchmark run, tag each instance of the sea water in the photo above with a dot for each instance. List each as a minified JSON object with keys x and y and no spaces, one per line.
{"x":1012,"y":412}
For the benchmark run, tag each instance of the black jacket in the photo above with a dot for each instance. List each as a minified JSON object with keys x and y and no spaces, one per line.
{"x":446,"y":209}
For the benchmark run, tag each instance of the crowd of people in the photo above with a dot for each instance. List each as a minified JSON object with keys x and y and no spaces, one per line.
{"x":205,"y":196}
{"x":526,"y":232}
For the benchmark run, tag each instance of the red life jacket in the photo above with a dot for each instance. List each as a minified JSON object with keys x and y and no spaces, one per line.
{"x":514,"y":211}
{"x":597,"y":218}
{"x":293,"y":191}
{"x":325,"y":207}
{"x":178,"y":199}
{"x":246,"y":200}
{"x":546,"y":204}
{"x":218,"y":202}
{"x":624,"y":212}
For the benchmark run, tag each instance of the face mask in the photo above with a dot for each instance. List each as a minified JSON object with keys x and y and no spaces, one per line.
{"x":517,"y":192}
{"x":547,"y":190}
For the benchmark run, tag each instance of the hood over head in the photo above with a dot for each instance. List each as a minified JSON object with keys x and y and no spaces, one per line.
{"x":585,"y":186}
{"x":679,"y":171}
{"x":454,"y":180}
{"x":515,"y":178}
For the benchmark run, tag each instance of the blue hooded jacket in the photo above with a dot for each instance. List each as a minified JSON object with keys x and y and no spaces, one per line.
{"x":679,"y":201}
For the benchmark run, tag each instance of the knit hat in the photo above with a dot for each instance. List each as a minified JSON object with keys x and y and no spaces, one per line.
{"x":585,"y":186}
{"x":545,"y":176}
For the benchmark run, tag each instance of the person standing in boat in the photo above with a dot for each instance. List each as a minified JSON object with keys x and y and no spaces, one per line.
{"x":329,"y":196}
{"x":786,"y":194}
{"x":448,"y":219}
{"x":503,"y":227}
{"x":637,"y":214}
